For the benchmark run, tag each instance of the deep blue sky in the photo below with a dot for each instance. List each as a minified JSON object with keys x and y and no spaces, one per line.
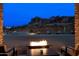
{"x":20,"y":14}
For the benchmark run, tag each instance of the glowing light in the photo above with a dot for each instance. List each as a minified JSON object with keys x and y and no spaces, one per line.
{"x":39,"y":43}
{"x":31,"y":33}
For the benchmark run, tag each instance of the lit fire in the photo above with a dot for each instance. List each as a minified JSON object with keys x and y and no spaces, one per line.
{"x":39,"y":43}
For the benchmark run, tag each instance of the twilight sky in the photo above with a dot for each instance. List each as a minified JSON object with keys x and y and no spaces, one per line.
{"x":16,"y":14}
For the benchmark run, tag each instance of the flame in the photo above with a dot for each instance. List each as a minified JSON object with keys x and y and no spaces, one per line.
{"x":39,"y":43}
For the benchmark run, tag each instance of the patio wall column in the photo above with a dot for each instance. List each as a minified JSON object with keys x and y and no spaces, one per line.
{"x":1,"y":26}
